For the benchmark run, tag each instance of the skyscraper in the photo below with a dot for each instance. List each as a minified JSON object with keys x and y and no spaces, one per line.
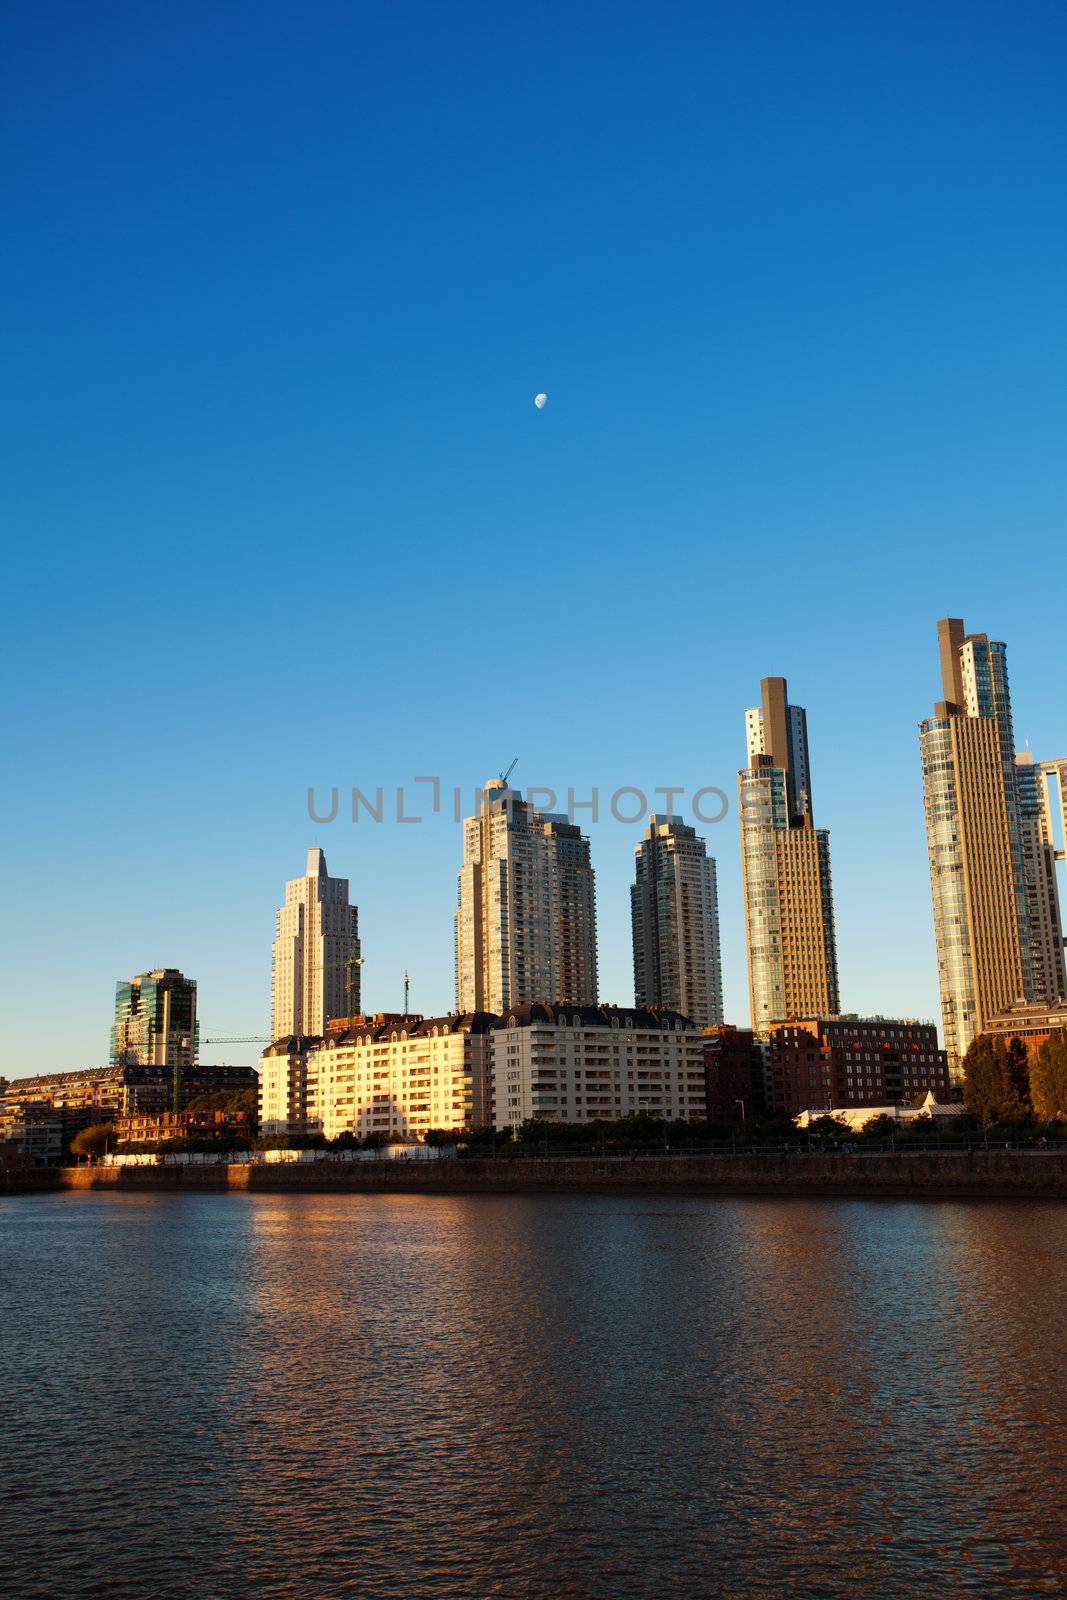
{"x":785,"y":864}
{"x":525,"y":927}
{"x":1036,"y":780}
{"x":155,"y":1021}
{"x":316,"y":958}
{"x":674,"y":907}
{"x":974,"y":836}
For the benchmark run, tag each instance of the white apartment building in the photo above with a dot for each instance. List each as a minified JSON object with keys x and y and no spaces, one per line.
{"x":595,"y":1063}
{"x":387,"y":1074}
{"x":316,"y":957}
{"x":525,"y":927}
{"x":400,"y":1075}
{"x":283,"y":1085}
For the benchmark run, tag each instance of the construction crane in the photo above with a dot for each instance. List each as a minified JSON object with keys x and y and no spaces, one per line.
{"x":504,"y":776}
{"x":239,"y":1038}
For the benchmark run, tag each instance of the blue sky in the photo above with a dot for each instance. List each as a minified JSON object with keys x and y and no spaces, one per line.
{"x":279,"y":286}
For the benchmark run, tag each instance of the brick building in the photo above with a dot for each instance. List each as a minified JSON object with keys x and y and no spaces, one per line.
{"x":837,"y":1062}
{"x":734,"y":1073}
{"x":163,"y":1126}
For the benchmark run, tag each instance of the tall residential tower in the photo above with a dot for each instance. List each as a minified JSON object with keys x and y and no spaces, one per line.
{"x":785,"y":864}
{"x":525,"y":928}
{"x":974,"y":836}
{"x":674,"y":908}
{"x":1043,"y":820}
{"x":316,"y":957}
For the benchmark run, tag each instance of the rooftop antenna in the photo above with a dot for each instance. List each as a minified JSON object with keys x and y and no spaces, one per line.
{"x":407,"y":990}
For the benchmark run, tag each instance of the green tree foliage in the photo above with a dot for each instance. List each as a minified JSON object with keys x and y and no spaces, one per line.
{"x":829,"y":1128}
{"x":95,"y":1141}
{"x":229,"y":1100}
{"x":1048,"y":1079}
{"x":996,"y":1080}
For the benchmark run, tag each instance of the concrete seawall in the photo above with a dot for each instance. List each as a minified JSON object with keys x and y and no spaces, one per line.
{"x":994,"y":1174}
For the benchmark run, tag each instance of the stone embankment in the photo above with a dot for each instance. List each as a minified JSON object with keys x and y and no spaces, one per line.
{"x":979,"y":1174}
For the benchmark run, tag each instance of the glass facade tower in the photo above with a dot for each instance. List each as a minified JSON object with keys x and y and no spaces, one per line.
{"x":155,"y":1021}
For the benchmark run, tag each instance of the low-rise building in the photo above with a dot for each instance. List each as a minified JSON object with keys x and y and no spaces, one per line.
{"x":854,"y":1061}
{"x":283,"y":1085}
{"x":735,"y":1066}
{"x":163,"y":1126}
{"x":383,"y":1074}
{"x":1030,"y":1022}
{"x":595,"y":1063}
{"x":121,"y":1090}
{"x":857,"y":1117}
{"x":390,"y":1074}
{"x":400,"y":1075}
{"x":35,"y":1131}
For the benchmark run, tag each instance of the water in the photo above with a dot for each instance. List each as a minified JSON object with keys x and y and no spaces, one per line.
{"x":397,"y":1396}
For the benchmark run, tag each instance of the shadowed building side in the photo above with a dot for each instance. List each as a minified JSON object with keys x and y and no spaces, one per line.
{"x":674,"y":909}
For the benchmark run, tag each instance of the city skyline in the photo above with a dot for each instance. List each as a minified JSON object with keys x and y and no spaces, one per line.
{"x":799,"y":324}
{"x":444,"y":1012}
{"x":972,"y":669}
{"x":216,"y":1031}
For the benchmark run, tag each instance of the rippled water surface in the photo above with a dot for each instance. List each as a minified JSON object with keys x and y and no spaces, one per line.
{"x":308,"y":1396}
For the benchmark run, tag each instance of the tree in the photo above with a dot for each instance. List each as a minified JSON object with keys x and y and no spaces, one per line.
{"x":1048,"y":1079}
{"x":828,"y":1127}
{"x":883,"y":1126}
{"x":95,"y":1141}
{"x":994,"y":1086}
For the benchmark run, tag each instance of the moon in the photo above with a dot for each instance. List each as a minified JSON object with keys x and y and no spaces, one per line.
{"x":539,"y":401}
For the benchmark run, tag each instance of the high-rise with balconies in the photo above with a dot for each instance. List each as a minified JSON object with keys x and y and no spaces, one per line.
{"x":975,"y":839}
{"x":1041,"y":785}
{"x":525,"y":927}
{"x":785,"y":864}
{"x":674,"y":909}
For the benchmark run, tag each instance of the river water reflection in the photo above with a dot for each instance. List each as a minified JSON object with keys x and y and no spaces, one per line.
{"x":392,"y":1396}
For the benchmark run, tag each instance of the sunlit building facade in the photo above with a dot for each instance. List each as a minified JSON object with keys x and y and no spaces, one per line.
{"x":525,"y":927}
{"x":785,"y":864}
{"x":385,"y":1074}
{"x":316,"y":956}
{"x":974,"y":834}
{"x":561,"y":1063}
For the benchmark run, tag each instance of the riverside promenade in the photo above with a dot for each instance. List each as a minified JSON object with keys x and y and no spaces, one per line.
{"x":1035,"y":1174}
